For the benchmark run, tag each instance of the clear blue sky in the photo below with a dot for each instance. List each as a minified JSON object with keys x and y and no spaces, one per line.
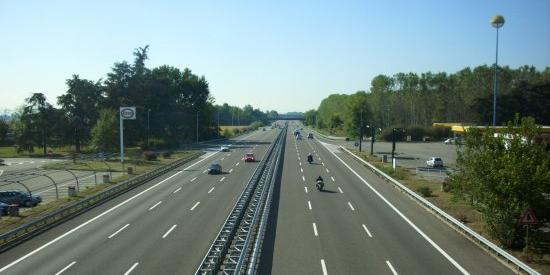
{"x":282,"y":55}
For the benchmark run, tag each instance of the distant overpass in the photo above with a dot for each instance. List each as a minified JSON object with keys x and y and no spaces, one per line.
{"x":289,"y":117}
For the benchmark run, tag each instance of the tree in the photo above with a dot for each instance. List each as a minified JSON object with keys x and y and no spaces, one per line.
{"x":80,"y":105}
{"x":504,"y":175}
{"x":4,"y":128}
{"x":35,"y":121}
{"x":105,"y":132}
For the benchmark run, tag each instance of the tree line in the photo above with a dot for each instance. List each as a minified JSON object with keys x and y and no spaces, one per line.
{"x":168,"y":102}
{"x":407,"y":99}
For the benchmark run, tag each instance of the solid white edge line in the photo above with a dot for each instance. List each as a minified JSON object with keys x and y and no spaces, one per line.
{"x":351,"y":206}
{"x":324,"y":267}
{"x":439,"y":249}
{"x":315,"y":230}
{"x":118,"y":231}
{"x":177,"y":190}
{"x":391,"y":268}
{"x":169,"y":230}
{"x":367,"y":230}
{"x":309,"y":204}
{"x":196,"y":204}
{"x":65,"y":268}
{"x":95,"y":218}
{"x":131,"y":268}
{"x":211,"y":189}
{"x":156,"y":204}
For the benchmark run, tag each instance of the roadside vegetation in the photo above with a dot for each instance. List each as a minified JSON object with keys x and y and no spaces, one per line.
{"x":168,"y":102}
{"x":497,"y":179}
{"x":415,"y":101}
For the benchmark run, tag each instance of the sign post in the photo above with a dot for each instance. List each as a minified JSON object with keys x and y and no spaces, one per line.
{"x":125,"y":113}
{"x":527,"y":218}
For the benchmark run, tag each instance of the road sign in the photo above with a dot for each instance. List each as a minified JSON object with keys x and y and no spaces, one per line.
{"x":128,"y":112}
{"x":528,"y":217}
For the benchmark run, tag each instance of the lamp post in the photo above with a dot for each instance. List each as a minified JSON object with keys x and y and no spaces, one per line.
{"x":148,"y":111}
{"x":361,"y":131}
{"x":197,"y":127}
{"x":497,"y":22}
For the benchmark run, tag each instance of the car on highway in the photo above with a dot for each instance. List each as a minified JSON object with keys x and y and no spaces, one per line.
{"x":224,"y":148}
{"x":434,"y":162}
{"x":310,"y":135}
{"x":20,"y":198}
{"x":249,"y":157}
{"x":3,"y":209}
{"x":214,"y":168}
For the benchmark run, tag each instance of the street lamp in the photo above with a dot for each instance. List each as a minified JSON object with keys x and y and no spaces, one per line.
{"x":197,"y":127}
{"x":148,"y":111}
{"x":497,"y":22}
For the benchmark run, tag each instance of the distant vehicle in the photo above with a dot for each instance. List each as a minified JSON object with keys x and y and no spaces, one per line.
{"x":249,"y":157}
{"x":299,"y":137}
{"x":449,"y":141}
{"x":296,"y":132}
{"x":263,"y":129}
{"x":19,"y":198}
{"x":3,"y":209}
{"x":310,"y":135}
{"x":224,"y":148}
{"x":434,"y":162}
{"x":214,"y":168}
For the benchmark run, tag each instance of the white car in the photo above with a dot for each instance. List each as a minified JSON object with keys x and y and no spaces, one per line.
{"x":449,"y":141}
{"x":224,"y":148}
{"x":434,"y":162}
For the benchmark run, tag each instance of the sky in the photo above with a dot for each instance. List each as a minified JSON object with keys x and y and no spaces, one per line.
{"x":274,"y":55}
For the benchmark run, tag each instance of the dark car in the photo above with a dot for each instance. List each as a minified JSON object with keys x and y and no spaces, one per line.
{"x":214,"y":168}
{"x":19,"y":198}
{"x":3,"y":209}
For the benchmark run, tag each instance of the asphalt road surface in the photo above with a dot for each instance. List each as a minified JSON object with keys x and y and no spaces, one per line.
{"x":162,"y":227}
{"x":358,"y":225}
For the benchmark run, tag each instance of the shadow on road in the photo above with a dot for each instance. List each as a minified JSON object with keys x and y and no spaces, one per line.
{"x":328,"y":191}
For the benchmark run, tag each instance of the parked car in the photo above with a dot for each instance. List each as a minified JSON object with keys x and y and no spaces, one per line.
{"x":214,"y":168}
{"x":20,"y":198}
{"x":249,"y":157}
{"x":434,"y":162}
{"x":449,"y":141}
{"x":310,"y":135}
{"x":224,"y":148}
{"x":3,"y":209}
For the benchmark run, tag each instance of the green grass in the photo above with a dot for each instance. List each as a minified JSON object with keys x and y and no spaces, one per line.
{"x":8,"y":152}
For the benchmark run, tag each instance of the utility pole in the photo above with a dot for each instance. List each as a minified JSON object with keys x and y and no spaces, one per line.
{"x":197,"y":127}
{"x":148,"y":111}
{"x":218,"y":130}
{"x":361,"y":131}
{"x":373,"y":132}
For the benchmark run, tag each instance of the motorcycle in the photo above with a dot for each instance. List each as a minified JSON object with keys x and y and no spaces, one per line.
{"x":320,"y":184}
{"x":310,"y":159}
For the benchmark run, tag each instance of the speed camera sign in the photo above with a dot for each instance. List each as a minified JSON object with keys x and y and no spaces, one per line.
{"x":128,"y":112}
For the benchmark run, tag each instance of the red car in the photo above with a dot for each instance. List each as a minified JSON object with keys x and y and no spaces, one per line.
{"x":249,"y":157}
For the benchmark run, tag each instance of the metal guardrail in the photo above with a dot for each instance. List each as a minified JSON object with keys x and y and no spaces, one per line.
{"x":230,"y":251}
{"x":26,"y":231}
{"x":499,"y":252}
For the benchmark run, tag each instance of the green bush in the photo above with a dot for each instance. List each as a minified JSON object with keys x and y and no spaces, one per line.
{"x":387,"y":133}
{"x":425,"y":191}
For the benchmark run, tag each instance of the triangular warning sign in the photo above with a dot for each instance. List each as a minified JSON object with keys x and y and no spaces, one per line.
{"x":528,"y":217}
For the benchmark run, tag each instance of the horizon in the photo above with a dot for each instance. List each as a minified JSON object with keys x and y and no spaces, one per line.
{"x":264,"y":54}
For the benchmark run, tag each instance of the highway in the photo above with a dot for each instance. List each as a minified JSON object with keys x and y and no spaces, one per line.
{"x":358,"y":225}
{"x":162,"y":227}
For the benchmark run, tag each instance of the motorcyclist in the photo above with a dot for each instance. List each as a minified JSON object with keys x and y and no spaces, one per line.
{"x":319,"y":178}
{"x":309,"y":157}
